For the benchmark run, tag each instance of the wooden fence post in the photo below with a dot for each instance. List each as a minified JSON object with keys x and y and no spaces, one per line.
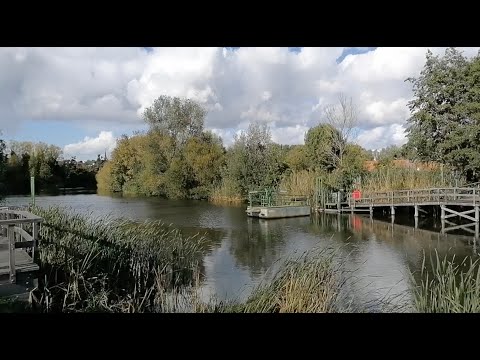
{"x":11,"y":247}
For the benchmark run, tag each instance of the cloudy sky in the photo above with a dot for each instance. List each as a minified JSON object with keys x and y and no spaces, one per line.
{"x":82,"y":99}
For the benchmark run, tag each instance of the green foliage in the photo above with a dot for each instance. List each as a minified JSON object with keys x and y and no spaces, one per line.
{"x":445,"y":125}
{"x":296,"y":158}
{"x":111,"y":265}
{"x":44,"y":161}
{"x":321,"y":148}
{"x":177,"y":117}
{"x":446,"y":287}
{"x":353,"y":166}
{"x":254,"y":161}
{"x":142,"y":165}
{"x":389,"y":177}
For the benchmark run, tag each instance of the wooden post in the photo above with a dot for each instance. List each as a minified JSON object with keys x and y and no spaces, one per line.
{"x":416,"y":222}
{"x":442,"y":213}
{"x":32,"y":189}
{"x":443,"y":226}
{"x":476,"y":232}
{"x":35,"y":228}
{"x":371,"y":210}
{"x":416,"y":211}
{"x":11,"y":247}
{"x":392,"y":210}
{"x":339,"y":205}
{"x":476,"y":214}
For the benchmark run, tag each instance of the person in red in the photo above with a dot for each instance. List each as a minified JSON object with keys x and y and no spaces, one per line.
{"x":356,"y":194}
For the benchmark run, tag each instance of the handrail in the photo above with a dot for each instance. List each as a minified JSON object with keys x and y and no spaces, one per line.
{"x":437,"y":195}
{"x":17,"y":236}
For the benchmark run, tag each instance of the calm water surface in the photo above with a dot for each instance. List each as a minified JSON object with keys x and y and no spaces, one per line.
{"x":243,"y":249}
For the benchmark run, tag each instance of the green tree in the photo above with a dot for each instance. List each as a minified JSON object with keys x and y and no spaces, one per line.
{"x":445,"y":121}
{"x":321,"y":149}
{"x":205,"y":157}
{"x":296,"y":158}
{"x":179,"y":118}
{"x":254,"y":161}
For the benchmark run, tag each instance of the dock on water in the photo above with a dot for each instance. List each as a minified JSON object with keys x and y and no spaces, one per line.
{"x":451,"y":202}
{"x":18,"y":244}
{"x":271,"y":204}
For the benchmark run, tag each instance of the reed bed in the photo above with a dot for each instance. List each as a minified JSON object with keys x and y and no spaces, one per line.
{"x":388,"y":178}
{"x":448,"y":287}
{"x":111,"y":264}
{"x":315,"y":282}
{"x":300,"y":182}
{"x":227,"y":192}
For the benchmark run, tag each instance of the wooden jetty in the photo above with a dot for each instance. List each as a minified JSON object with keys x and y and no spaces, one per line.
{"x":459,"y":202}
{"x":18,"y":243}
{"x":271,"y":204}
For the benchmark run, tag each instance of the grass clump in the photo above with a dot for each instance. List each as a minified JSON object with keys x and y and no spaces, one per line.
{"x":113,"y":265}
{"x":308,"y":284}
{"x":446,"y":287}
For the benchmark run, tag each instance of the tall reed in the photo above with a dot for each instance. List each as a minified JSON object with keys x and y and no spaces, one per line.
{"x":386,"y":178}
{"x":227,"y":192}
{"x":85,"y":259}
{"x":446,"y":287}
{"x":300,"y":183}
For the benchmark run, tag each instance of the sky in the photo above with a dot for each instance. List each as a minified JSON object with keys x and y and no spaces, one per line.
{"x":83,"y":99}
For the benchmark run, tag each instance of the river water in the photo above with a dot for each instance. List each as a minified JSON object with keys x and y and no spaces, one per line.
{"x":242,"y":249}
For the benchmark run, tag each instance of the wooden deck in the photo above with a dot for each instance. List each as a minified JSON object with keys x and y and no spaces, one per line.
{"x":454,"y":202}
{"x":417,"y":197}
{"x":23,"y":261}
{"x":18,"y":242}
{"x":435,"y":196}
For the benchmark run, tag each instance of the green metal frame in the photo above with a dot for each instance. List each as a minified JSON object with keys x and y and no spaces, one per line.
{"x":270,"y":197}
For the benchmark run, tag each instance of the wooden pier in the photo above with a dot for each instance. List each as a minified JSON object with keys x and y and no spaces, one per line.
{"x":459,"y":202}
{"x":18,"y":243}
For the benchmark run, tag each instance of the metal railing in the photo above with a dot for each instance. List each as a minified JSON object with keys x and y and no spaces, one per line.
{"x":268,"y":198}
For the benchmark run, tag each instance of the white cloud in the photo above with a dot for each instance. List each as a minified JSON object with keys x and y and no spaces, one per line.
{"x":89,"y":148}
{"x":108,"y":88}
{"x":290,"y":135}
{"x":382,"y":136}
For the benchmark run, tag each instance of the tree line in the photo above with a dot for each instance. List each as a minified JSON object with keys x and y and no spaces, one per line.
{"x":21,"y":160}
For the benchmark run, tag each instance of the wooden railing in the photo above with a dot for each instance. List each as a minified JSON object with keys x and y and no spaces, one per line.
{"x":467,"y":196}
{"x":20,"y":230}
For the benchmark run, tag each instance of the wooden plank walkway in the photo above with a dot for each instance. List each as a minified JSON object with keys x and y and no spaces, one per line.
{"x":434,"y":196}
{"x":453,"y":202}
{"x":23,"y":261}
{"x":18,"y":242}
